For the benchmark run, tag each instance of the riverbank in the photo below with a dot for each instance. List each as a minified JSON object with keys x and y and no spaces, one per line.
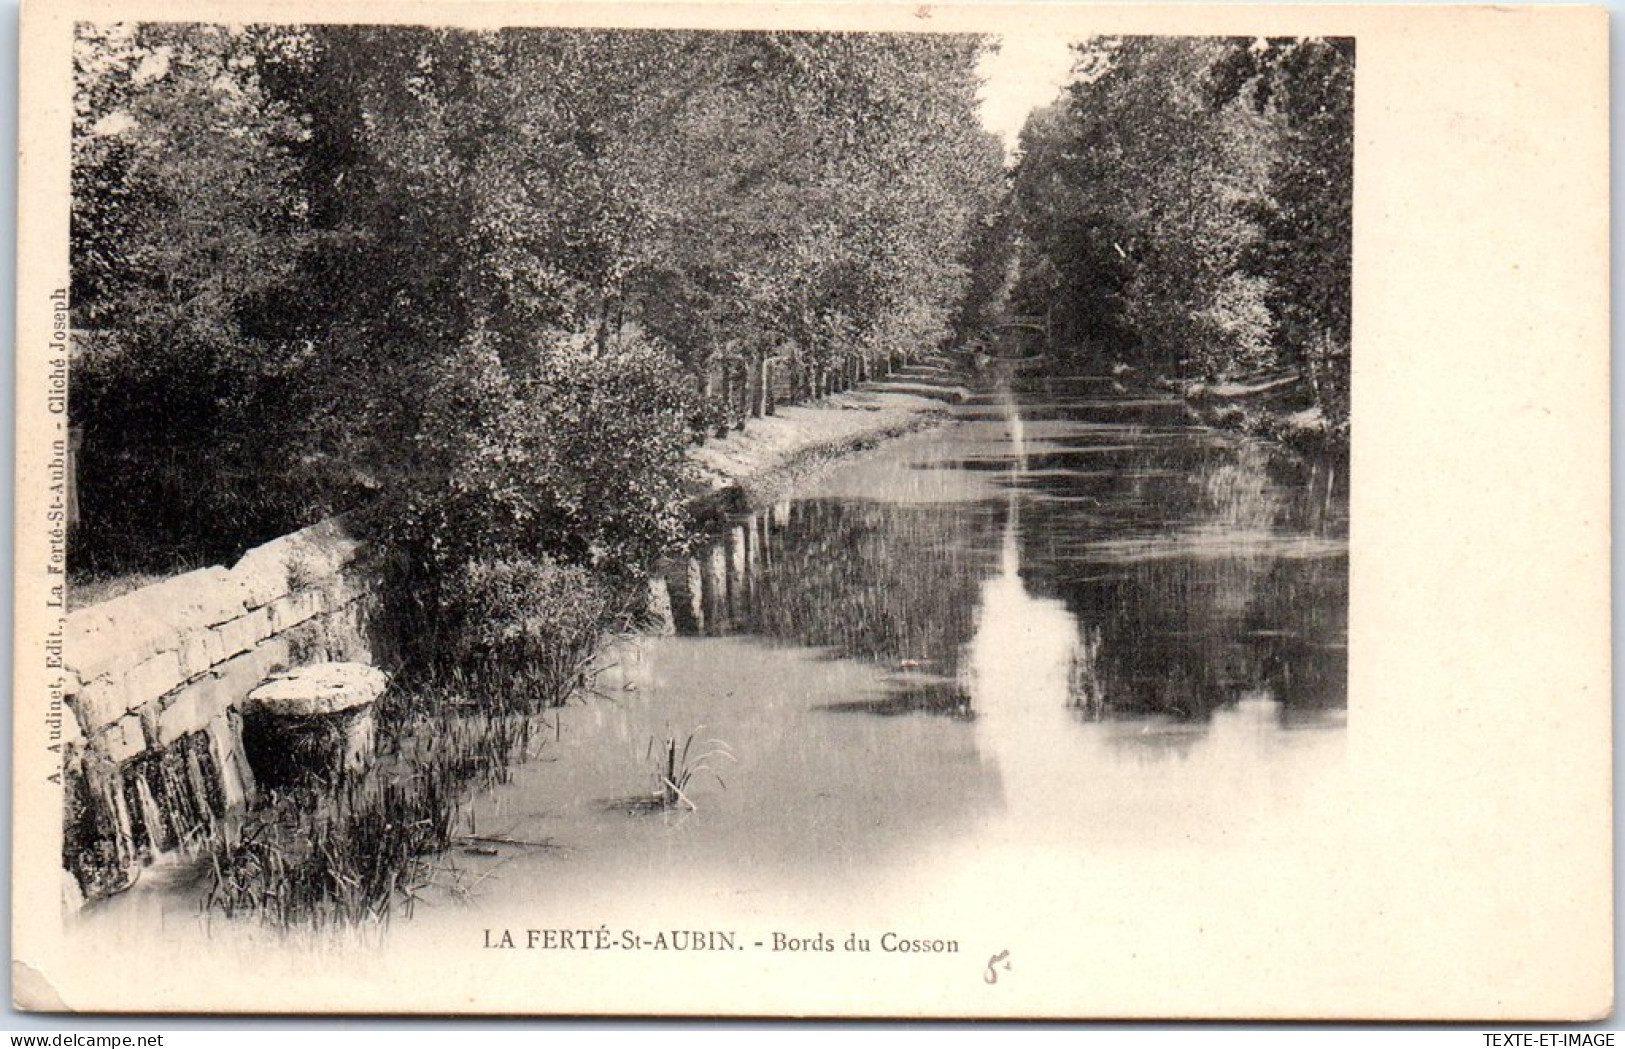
{"x":765,"y":458}
{"x":433,"y":736}
{"x":1271,"y":407}
{"x":775,"y":452}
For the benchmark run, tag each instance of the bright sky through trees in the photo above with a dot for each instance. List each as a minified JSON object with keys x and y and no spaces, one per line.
{"x":1025,"y":73}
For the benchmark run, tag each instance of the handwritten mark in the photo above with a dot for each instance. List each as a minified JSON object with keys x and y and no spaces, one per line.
{"x":992,"y":966}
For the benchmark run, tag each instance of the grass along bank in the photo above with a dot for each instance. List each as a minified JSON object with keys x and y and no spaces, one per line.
{"x":774,"y":452}
{"x":1273,"y":406}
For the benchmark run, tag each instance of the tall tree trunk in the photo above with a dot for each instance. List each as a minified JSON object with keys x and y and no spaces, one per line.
{"x":714,"y":399}
{"x":758,"y":399}
{"x":1312,"y":357}
{"x":601,"y":337}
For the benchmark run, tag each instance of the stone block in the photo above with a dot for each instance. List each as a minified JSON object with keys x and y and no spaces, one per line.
{"x":272,"y":657}
{"x":345,"y":633}
{"x":284,"y":613}
{"x":365,"y":642}
{"x":209,"y":692}
{"x":301,"y":606}
{"x":264,"y":627}
{"x":186,"y":712}
{"x":110,"y":637}
{"x":198,"y":651}
{"x":148,"y":713}
{"x":326,"y":547}
{"x":307,"y":643}
{"x":243,"y":633}
{"x":123,"y":740}
{"x":151,"y":678}
{"x":294,"y":562}
{"x":318,"y":690}
{"x":236,"y":778}
{"x":319,"y":602}
{"x":214,"y":647}
{"x":230,"y":682}
{"x":262,"y":575}
{"x":350,"y":585}
{"x":97,"y":704}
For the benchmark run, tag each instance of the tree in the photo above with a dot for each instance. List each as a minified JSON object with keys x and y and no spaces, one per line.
{"x":188,"y":228}
{"x":1072,"y":266}
{"x":484,"y":280}
{"x":1190,"y":206}
{"x":1306,"y":247}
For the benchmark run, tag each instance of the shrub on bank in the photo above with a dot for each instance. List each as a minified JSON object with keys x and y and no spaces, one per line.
{"x":541,"y":486}
{"x":531,"y":621}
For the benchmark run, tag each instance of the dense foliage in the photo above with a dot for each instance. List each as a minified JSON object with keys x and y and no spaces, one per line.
{"x":1188,"y":207}
{"x":491,"y":284}
{"x":187,"y":229}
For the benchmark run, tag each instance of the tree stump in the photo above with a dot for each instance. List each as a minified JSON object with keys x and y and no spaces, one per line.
{"x":312,"y":724}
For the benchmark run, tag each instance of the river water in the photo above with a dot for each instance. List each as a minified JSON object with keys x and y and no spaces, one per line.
{"x":1061,"y":682}
{"x":1067,"y":620}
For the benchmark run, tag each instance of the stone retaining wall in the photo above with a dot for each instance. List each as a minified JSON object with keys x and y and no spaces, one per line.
{"x":157,"y":678}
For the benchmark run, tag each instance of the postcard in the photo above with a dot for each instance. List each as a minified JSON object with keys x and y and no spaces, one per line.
{"x":935,"y":510}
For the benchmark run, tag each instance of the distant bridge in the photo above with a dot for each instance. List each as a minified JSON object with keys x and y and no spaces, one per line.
{"x":1020,"y":338}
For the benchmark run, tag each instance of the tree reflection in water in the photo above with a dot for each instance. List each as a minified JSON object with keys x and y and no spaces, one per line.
{"x":1133,"y":566}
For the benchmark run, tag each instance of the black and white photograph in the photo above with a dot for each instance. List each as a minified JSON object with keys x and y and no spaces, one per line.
{"x":604,"y":510}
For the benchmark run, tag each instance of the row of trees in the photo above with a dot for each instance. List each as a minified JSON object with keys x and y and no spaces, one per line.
{"x":1188,"y":206}
{"x":496,"y":281}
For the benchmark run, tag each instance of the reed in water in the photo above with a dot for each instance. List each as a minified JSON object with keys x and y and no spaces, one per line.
{"x":360,"y":849}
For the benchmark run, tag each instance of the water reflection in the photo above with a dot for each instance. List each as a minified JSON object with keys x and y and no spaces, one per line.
{"x":1062,"y":621}
{"x":1219,"y":572}
{"x":894,"y":585}
{"x":1167,"y":570}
